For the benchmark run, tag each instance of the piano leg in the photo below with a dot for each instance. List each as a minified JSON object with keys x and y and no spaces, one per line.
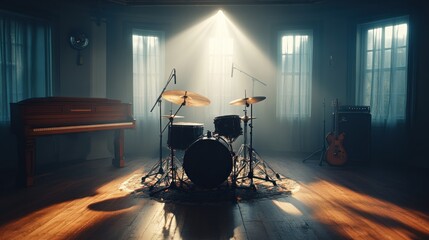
{"x":26,"y":153}
{"x":119,"y":161}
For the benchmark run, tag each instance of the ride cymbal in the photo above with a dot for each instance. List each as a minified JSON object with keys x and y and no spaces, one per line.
{"x":186,"y":98}
{"x":247,"y":101}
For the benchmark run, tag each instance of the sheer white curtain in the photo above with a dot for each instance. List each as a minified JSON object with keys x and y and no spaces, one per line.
{"x":382,"y":80}
{"x":25,"y":61}
{"x":147,"y":74}
{"x":219,"y":83}
{"x":294,"y":85}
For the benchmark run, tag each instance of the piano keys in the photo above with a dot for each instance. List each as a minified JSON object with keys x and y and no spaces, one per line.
{"x":35,"y":117}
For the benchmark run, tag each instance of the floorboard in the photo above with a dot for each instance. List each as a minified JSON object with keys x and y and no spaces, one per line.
{"x":84,"y":201}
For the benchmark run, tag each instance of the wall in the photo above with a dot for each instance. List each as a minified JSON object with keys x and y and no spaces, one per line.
{"x":419,"y":129}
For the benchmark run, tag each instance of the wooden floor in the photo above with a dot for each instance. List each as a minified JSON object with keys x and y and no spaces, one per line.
{"x":83,"y":201}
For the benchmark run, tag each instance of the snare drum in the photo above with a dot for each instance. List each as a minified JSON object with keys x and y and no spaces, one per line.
{"x":184,"y":134}
{"x":208,"y":162}
{"x":228,"y":126}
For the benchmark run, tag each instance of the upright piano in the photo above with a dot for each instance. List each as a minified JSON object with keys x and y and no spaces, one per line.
{"x":35,"y":117}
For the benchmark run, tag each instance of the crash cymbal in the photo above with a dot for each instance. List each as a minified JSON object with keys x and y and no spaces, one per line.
{"x":247,"y":101}
{"x":172,"y":116}
{"x":186,"y":98}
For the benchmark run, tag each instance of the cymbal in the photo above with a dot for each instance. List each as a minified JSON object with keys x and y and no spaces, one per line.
{"x":246,"y":118}
{"x":185,"y":97}
{"x":247,"y":101}
{"x":172,"y":116}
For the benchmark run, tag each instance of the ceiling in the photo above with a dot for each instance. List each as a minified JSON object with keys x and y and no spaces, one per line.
{"x":212,"y":2}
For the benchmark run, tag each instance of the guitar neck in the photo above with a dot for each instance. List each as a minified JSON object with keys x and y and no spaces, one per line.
{"x":336,"y":117}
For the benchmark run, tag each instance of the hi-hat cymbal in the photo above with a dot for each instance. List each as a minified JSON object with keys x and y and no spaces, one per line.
{"x":247,"y":101}
{"x":186,"y":98}
{"x":172,"y":116}
{"x":246,"y":118}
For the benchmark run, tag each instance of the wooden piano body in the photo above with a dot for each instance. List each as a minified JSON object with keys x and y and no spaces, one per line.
{"x":35,"y":117}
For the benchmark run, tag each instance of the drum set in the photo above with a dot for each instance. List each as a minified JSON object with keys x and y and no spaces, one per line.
{"x":209,"y":160}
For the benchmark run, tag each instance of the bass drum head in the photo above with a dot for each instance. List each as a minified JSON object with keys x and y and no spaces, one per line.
{"x":207,"y":162}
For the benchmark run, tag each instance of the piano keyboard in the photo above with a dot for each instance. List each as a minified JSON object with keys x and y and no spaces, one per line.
{"x":83,"y":127}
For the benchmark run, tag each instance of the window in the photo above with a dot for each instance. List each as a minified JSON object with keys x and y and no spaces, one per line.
{"x":25,"y":60}
{"x":147,"y":71}
{"x":295,"y":80}
{"x":382,"y":68}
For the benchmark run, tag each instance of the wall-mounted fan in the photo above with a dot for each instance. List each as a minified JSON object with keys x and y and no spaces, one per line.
{"x":78,"y":40}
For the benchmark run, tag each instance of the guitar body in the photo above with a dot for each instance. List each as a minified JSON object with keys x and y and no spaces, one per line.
{"x":336,"y":154}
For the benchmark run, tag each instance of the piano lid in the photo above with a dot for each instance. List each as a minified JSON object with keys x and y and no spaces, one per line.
{"x":56,"y":100}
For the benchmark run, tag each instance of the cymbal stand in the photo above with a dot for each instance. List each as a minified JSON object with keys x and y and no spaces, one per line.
{"x":250,"y":76}
{"x":251,"y":159}
{"x":170,"y":176}
{"x":161,"y":163}
{"x":238,"y":167}
{"x":159,"y":167}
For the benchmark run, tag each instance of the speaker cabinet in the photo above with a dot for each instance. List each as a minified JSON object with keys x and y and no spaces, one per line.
{"x":357,"y":129}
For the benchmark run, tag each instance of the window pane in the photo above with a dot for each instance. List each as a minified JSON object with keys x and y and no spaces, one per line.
{"x":377,"y":59}
{"x":387,"y":59}
{"x":287,"y":44}
{"x":401,"y":57}
{"x":402,"y":35}
{"x":369,"y":62}
{"x":370,"y":40}
{"x":388,"y":31}
{"x":400,"y":81}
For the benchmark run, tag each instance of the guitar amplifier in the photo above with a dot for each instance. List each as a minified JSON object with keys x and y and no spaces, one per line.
{"x":356,"y":124}
{"x":354,"y":109}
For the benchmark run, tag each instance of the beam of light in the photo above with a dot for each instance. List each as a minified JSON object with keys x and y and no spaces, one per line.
{"x":288,"y":208}
{"x":203,"y":55}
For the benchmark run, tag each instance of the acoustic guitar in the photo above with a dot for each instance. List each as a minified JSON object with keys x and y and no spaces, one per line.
{"x":336,"y":154}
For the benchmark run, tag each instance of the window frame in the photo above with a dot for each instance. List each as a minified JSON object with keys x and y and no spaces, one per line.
{"x":361,"y":61}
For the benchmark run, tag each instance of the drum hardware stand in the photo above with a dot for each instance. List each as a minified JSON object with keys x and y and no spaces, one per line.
{"x":162,"y":167}
{"x":162,"y":162}
{"x":158,"y":101}
{"x":251,"y":158}
{"x":322,"y":150}
{"x":252,"y":77}
{"x":170,"y":176}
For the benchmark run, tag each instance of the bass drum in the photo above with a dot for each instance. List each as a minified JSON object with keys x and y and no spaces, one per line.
{"x":208,"y":162}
